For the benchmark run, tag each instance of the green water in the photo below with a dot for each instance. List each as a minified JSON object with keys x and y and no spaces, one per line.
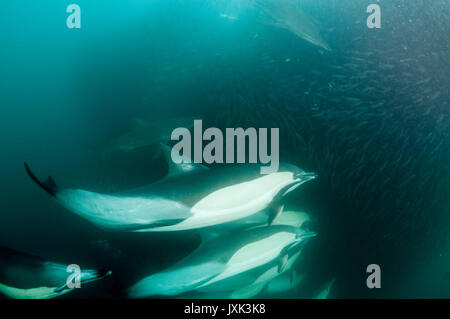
{"x":370,"y":116}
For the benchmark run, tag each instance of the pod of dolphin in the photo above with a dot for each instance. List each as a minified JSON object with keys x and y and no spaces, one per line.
{"x":248,"y":242}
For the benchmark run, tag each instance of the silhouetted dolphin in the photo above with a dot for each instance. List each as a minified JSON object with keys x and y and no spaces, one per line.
{"x":24,"y":276}
{"x":227,"y":263}
{"x":287,"y":14}
{"x":190,"y":197}
{"x":145,"y":133}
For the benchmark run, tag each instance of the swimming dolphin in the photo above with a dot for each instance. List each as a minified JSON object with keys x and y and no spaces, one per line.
{"x":272,"y":280}
{"x":286,"y":14}
{"x":24,"y":276}
{"x":289,"y":217}
{"x":226,"y":263}
{"x":144,"y":133}
{"x":190,"y":197}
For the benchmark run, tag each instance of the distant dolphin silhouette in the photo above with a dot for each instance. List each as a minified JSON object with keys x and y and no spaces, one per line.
{"x":287,"y":14}
{"x":145,"y":133}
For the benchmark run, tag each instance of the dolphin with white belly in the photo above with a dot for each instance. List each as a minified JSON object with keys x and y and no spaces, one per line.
{"x":24,"y":276}
{"x":285,"y":283}
{"x":226,"y":263}
{"x":190,"y":197}
{"x":272,"y":280}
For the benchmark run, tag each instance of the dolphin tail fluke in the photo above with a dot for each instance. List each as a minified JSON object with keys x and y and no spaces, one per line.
{"x":49,"y":185}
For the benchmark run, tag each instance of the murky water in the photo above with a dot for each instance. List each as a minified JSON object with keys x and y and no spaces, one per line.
{"x":366,"y":109}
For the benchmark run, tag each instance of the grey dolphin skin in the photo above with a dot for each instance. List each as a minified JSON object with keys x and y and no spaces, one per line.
{"x":287,"y":14}
{"x":226,"y":263}
{"x":190,"y":197}
{"x":24,"y":276}
{"x":145,"y":133}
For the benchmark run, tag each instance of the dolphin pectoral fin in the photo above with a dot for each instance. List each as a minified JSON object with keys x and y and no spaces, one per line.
{"x":282,"y":263}
{"x":182,"y":168}
{"x":49,"y":185}
{"x":275,"y":210}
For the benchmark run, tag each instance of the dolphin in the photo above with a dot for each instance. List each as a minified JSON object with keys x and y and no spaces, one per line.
{"x":274,"y":279}
{"x":286,"y":14}
{"x":24,"y":276}
{"x":144,"y":133}
{"x":226,"y":263}
{"x":288,"y":217}
{"x":190,"y":197}
{"x":271,"y":280}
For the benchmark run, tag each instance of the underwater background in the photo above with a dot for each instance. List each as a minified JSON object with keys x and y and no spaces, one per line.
{"x":370,"y":116}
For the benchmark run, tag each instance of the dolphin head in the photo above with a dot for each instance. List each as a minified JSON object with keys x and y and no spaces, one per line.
{"x":305,"y":176}
{"x":303,"y":235}
{"x":90,"y":275}
{"x":85,"y":276}
{"x":298,"y":177}
{"x":297,"y":172}
{"x":300,"y":239}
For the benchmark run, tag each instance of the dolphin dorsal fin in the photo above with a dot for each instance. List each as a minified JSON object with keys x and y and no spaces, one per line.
{"x":183,"y":168}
